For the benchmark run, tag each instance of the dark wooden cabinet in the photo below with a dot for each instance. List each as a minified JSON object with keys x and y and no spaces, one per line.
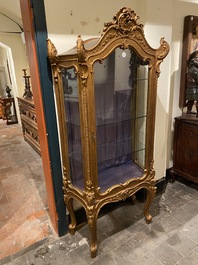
{"x":8,"y":110}
{"x":185,"y":156}
{"x":29,"y":123}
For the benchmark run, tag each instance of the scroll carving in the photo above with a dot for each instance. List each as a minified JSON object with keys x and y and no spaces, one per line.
{"x":163,"y":49}
{"x":52,"y":52}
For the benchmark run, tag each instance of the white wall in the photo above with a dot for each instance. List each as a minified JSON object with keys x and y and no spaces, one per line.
{"x":11,"y":38}
{"x":158,"y":24}
{"x":15,"y":54}
{"x":18,"y":53}
{"x":67,"y":19}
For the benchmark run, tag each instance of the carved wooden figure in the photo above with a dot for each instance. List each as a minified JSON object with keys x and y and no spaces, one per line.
{"x":106,"y":98}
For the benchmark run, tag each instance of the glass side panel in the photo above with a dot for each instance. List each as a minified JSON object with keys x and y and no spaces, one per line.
{"x":120,"y":84}
{"x":71,"y":99}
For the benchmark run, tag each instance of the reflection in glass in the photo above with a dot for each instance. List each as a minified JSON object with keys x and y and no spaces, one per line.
{"x":120,"y":85}
{"x":71,"y":99}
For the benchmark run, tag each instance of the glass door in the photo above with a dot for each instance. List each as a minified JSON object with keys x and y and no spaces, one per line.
{"x":71,"y":104}
{"x":120,"y":85}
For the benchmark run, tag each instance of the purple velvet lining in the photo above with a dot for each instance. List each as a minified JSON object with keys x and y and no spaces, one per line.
{"x":114,"y":175}
{"x":118,"y":175}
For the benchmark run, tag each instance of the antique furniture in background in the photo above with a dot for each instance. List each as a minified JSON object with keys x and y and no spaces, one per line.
{"x":8,"y":110}
{"x":185,"y":155}
{"x":185,"y":159}
{"x":106,"y":99}
{"x":29,"y":123}
{"x":28,"y":115}
{"x":27,"y":93}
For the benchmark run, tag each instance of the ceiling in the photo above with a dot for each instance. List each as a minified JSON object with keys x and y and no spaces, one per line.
{"x":11,"y":9}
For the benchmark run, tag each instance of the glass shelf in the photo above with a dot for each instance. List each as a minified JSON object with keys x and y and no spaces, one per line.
{"x":123,"y":146}
{"x":117,"y":116}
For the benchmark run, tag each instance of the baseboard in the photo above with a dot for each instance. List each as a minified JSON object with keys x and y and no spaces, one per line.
{"x":160,"y":185}
{"x":168,"y":174}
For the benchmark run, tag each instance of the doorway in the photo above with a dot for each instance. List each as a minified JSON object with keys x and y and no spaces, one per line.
{"x":7,"y":75}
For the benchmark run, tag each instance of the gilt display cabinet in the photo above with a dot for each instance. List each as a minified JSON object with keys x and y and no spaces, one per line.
{"x":106,"y":101}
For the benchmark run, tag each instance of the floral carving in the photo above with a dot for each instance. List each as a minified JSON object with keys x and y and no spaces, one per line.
{"x":83,"y":73}
{"x":125,"y":20}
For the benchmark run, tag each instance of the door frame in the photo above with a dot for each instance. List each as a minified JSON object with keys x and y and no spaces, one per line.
{"x":35,"y":31}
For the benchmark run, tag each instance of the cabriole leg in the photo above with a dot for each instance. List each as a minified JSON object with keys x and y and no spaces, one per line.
{"x":92,"y":222}
{"x":70,"y":208}
{"x":150,"y":196}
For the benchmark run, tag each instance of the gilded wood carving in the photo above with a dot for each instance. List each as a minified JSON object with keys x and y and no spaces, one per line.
{"x":123,"y":34}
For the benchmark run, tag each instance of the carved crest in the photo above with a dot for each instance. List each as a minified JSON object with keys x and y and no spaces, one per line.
{"x":125,"y":20}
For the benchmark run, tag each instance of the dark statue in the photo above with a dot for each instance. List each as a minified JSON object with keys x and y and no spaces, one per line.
{"x":8,"y":90}
{"x":192,"y":82}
